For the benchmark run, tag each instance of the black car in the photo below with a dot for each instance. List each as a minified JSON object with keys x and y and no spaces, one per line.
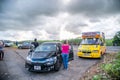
{"x":46,"y":57}
{"x":25,"y":45}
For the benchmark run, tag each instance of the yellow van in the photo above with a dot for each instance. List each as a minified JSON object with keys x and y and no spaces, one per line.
{"x":92,"y":45}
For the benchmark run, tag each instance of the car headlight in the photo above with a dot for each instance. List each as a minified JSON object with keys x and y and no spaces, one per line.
{"x":79,"y":50}
{"x":95,"y":51}
{"x":51,"y":61}
{"x":28,"y":59}
{"x":96,"y":46}
{"x":80,"y":47}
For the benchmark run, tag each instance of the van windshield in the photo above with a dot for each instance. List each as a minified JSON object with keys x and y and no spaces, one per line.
{"x":90,"y":41}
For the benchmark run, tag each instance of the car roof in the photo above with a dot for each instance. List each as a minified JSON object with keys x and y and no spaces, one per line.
{"x":51,"y":43}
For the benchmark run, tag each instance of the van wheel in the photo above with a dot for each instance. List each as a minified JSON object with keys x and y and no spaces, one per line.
{"x":101,"y":56}
{"x":57,"y":65}
{"x":105,"y":51}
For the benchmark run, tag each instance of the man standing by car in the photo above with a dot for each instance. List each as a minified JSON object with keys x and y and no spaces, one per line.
{"x":35,"y":43}
{"x":1,"y":50}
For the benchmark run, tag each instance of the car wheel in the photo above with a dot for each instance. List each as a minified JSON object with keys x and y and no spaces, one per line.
{"x":57,"y":65}
{"x":19,"y":47}
{"x":101,"y":56}
{"x":27,"y":67}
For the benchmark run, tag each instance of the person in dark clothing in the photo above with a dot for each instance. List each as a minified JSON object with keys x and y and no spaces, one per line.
{"x":1,"y":50}
{"x":16,"y":43}
{"x":35,"y":43}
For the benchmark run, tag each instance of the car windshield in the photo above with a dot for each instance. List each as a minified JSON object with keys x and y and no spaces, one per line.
{"x":90,"y":41}
{"x":46,"y":47}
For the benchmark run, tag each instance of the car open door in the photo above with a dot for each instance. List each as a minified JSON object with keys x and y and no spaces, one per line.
{"x":71,"y":53}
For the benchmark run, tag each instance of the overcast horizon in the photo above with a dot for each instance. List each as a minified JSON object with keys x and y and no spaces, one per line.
{"x":57,"y":19}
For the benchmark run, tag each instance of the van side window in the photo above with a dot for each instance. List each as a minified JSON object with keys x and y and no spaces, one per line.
{"x":101,"y":43}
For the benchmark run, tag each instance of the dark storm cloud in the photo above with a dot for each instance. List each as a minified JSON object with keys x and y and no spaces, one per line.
{"x":27,"y":14}
{"x":22,"y":14}
{"x":94,"y":7}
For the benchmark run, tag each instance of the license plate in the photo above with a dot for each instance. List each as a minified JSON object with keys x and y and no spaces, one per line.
{"x":37,"y":67}
{"x":86,"y":54}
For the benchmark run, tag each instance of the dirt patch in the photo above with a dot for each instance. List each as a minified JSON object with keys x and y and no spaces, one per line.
{"x":96,"y":69}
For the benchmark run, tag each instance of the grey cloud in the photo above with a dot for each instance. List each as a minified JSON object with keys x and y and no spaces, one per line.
{"x":52,"y":30}
{"x":33,"y":14}
{"x":118,"y":20}
{"x":36,"y":32}
{"x":75,"y":27}
{"x":32,"y":7}
{"x":22,"y":14}
{"x":54,"y":37}
{"x":94,"y":7}
{"x":94,"y":20}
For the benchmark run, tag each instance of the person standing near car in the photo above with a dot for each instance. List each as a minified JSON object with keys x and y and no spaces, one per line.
{"x":35,"y":43}
{"x":65,"y":53}
{"x":1,"y":50}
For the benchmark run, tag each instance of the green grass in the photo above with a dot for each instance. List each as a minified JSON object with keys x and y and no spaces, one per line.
{"x":75,"y":41}
{"x":108,"y":42}
{"x":14,"y":46}
{"x":112,"y":69}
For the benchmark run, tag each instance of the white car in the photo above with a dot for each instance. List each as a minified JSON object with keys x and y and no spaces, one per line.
{"x":8,"y":43}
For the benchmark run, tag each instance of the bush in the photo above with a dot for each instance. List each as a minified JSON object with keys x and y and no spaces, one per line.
{"x":116,"y":39}
{"x":96,"y":77}
{"x":108,"y":42}
{"x":113,"y":68}
{"x":107,"y":67}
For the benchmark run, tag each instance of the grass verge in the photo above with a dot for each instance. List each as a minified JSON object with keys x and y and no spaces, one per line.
{"x":107,"y":69}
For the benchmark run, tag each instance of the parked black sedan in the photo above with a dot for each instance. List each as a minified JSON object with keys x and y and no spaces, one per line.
{"x":25,"y":45}
{"x":46,"y":57}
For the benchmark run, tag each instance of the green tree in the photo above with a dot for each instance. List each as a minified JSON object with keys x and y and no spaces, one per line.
{"x":116,"y":39}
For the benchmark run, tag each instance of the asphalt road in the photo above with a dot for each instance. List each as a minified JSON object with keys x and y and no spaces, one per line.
{"x":12,"y":67}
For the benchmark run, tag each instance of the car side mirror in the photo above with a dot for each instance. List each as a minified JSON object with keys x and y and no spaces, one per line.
{"x":101,"y":44}
{"x":32,"y":48}
{"x":58,"y":49}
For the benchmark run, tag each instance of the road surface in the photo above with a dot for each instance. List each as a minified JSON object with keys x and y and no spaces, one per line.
{"x":12,"y":67}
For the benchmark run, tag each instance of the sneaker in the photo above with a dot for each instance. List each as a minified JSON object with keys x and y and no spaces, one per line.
{"x":68,"y":62}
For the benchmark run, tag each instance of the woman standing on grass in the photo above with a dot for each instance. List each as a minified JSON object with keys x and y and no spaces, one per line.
{"x":65,"y":53}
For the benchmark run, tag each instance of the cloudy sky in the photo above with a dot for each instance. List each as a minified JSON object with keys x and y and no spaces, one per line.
{"x":57,"y":19}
